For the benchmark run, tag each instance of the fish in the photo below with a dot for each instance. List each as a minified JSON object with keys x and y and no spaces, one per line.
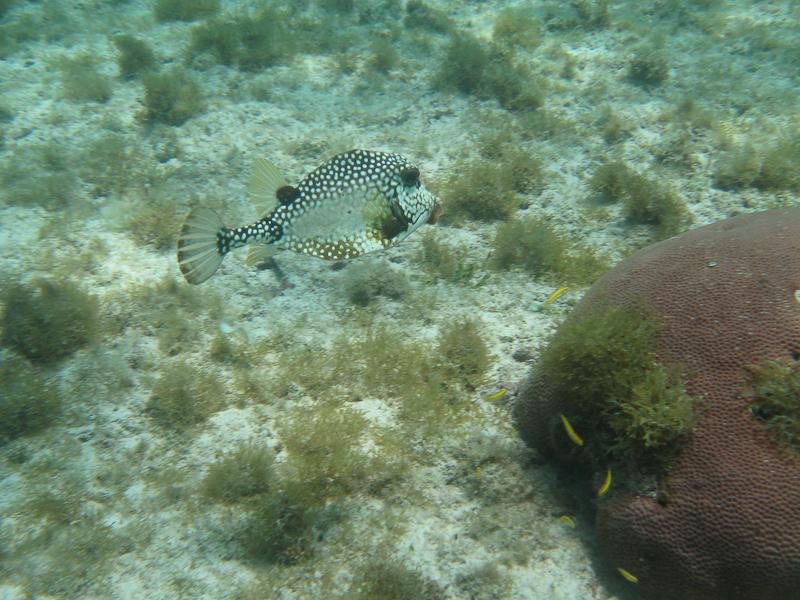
{"x":606,"y":485}
{"x":357,"y":202}
{"x":554,"y":296}
{"x":568,"y":521}
{"x":573,"y":435}
{"x":497,"y":395}
{"x":628,"y":575}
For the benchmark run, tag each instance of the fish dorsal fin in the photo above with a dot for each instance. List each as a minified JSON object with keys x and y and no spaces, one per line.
{"x":265,"y":181}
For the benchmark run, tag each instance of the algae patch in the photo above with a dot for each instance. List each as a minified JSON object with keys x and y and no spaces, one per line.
{"x":629,"y":407}
{"x":775,"y":389}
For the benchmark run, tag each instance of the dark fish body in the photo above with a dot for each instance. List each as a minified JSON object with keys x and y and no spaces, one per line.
{"x":357,"y":202}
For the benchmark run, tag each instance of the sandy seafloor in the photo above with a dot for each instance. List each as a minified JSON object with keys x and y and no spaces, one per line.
{"x":117,"y":505}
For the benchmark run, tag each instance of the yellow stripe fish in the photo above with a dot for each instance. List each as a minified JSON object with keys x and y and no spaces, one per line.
{"x":606,"y":485}
{"x":554,"y":296}
{"x":568,"y":521}
{"x":570,"y":431}
{"x":357,"y":202}
{"x":497,"y":395}
{"x":628,"y":575}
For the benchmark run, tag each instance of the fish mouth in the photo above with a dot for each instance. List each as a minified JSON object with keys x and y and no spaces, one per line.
{"x":436,"y":213}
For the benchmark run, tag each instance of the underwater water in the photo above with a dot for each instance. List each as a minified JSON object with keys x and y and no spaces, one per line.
{"x":296,"y":427}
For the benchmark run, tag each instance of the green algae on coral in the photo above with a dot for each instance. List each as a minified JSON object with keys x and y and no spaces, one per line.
{"x":775,"y":393}
{"x":629,"y":407}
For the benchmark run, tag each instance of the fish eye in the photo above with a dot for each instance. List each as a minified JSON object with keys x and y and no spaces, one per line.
{"x":410,"y":176}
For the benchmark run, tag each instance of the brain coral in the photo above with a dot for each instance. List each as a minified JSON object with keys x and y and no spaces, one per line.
{"x":723,"y":518}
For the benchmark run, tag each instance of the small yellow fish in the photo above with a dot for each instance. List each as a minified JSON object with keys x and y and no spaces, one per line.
{"x":628,"y":575}
{"x":568,"y":521}
{"x":606,"y":485}
{"x":497,"y":395}
{"x":570,"y":431}
{"x":554,"y":296}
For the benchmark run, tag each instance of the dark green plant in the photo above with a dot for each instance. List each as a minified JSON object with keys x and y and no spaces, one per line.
{"x":390,"y":580}
{"x":517,"y":26}
{"x":284,"y":526}
{"x":485,"y":190}
{"x":648,"y":68}
{"x":364,"y":282}
{"x":773,"y":167}
{"x":628,"y":406}
{"x":645,"y":201}
{"x":473,"y":67}
{"x":381,"y":363}
{"x":28,"y":401}
{"x":6,"y":115}
{"x":267,"y":39}
{"x":247,"y":471}
{"x":6,"y":5}
{"x":613,"y":126}
{"x":610,"y":182}
{"x":250,"y":42}
{"x":185,"y":10}
{"x":463,"y":353}
{"x":155,"y":219}
{"x":184,"y":396}
{"x":420,"y":15}
{"x":594,"y":14}
{"x":220,"y":37}
{"x":649,"y":202}
{"x":47,"y":320}
{"x":40,"y":175}
{"x":135,"y":56}
{"x":774,"y":388}
{"x":82,"y":82}
{"x":533,"y":245}
{"x":111,"y":164}
{"x":443,"y":261}
{"x":383,"y":55}
{"x":324,"y":452}
{"x":172,"y":97}
{"x":338,"y":6}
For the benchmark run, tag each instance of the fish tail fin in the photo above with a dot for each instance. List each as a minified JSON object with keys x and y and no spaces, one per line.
{"x":199,"y":250}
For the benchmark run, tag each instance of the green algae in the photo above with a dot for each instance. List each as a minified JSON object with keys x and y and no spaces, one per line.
{"x":487,"y":189}
{"x":47,"y":320}
{"x":628,"y":407}
{"x":645,"y":201}
{"x":444,"y":261}
{"x":184,"y":396}
{"x":246,"y":471}
{"x":135,"y":56}
{"x":172,"y":97}
{"x":386,"y":579}
{"x":184,"y":10}
{"x":29,"y":402}
{"x":425,"y":381}
{"x":537,"y":248}
{"x":472,"y":67}
{"x":40,"y":174}
{"x":775,"y":401}
{"x":82,"y":82}
{"x":363,"y":283}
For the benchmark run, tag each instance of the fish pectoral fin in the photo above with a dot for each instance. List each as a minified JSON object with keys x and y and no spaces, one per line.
{"x":262,"y":188}
{"x":259,"y":253}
